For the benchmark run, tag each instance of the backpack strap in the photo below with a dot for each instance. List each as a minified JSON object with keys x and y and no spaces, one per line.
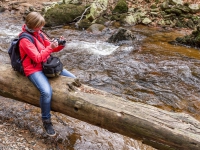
{"x":27,"y":36}
{"x":41,"y":35}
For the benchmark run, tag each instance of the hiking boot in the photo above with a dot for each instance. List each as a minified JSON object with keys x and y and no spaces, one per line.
{"x":48,"y":127}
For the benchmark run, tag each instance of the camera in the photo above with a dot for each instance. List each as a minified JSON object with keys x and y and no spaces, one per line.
{"x":61,"y":42}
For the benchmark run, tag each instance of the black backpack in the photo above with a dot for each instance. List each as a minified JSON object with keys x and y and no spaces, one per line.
{"x":14,"y":53}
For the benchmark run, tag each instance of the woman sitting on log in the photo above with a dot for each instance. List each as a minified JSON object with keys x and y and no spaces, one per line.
{"x":37,"y":53}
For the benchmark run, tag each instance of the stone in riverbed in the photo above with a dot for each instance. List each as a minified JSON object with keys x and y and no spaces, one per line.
{"x":121,"y":34}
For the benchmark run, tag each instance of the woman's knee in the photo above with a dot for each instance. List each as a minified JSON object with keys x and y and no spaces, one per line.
{"x":46,"y":95}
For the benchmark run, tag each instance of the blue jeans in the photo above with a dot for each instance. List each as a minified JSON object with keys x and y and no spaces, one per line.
{"x":42,"y":84}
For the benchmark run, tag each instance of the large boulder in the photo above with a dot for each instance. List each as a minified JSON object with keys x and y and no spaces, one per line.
{"x":63,"y":14}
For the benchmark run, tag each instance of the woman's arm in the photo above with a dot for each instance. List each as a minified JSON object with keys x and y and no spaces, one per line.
{"x":47,"y":42}
{"x":32,"y":51}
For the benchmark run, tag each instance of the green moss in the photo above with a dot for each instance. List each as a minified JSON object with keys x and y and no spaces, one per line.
{"x":121,"y":7}
{"x":153,"y":6}
{"x":84,"y":24}
{"x":119,"y":17}
{"x":190,"y":40}
{"x":197,"y":39}
{"x":176,"y":11}
{"x":190,"y":24}
{"x":194,"y":33}
{"x":63,"y":14}
{"x":101,"y":20}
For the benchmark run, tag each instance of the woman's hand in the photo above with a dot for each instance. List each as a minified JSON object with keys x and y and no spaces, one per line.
{"x":62,"y":38}
{"x":54,"y":44}
{"x":62,"y":41}
{"x":58,"y":44}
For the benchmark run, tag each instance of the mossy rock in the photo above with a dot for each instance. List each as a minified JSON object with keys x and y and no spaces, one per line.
{"x":168,"y":11}
{"x":118,"y":17}
{"x":153,"y":6}
{"x":121,"y":7}
{"x":176,"y":2}
{"x":96,"y":28}
{"x":176,"y":11}
{"x":63,"y":14}
{"x":197,"y":39}
{"x":196,"y":20}
{"x":101,"y":20}
{"x":180,"y":24}
{"x":184,"y":16}
{"x":195,"y":33}
{"x":164,"y":5}
{"x":185,"y":9}
{"x":97,"y":8}
{"x":190,"y":24}
{"x":192,"y":40}
{"x":121,"y":34}
{"x":84,"y":24}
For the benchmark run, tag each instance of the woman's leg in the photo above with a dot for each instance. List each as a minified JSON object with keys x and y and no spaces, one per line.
{"x":67,"y":73}
{"x":42,"y":84}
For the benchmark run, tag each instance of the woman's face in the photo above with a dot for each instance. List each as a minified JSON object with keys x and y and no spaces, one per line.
{"x":37,"y":29}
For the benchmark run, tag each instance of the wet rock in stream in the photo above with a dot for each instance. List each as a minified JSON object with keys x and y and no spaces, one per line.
{"x":192,"y":40}
{"x":120,"y":35}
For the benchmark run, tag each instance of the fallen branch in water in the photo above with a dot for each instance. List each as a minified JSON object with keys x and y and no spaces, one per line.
{"x":76,"y":24}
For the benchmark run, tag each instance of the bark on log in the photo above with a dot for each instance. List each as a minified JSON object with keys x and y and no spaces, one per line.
{"x":161,"y":129}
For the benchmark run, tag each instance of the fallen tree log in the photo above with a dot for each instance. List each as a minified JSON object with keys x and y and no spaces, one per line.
{"x":161,"y":129}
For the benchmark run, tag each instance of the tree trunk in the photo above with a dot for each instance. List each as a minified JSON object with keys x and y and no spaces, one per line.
{"x":161,"y":129}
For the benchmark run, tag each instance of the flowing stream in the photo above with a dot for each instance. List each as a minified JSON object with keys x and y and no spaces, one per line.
{"x":147,"y":69}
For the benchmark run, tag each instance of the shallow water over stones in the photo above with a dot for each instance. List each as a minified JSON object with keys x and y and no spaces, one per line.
{"x":147,"y":69}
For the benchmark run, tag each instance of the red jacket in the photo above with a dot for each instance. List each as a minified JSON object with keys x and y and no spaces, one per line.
{"x":37,"y":52}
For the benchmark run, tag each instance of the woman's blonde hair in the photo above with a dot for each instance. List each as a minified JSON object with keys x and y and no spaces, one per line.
{"x":34,"y":20}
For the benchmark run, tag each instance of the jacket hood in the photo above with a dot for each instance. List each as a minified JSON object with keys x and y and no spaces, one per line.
{"x":24,"y":30}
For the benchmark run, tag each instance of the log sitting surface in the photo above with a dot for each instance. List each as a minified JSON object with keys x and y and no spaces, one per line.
{"x":156,"y":127}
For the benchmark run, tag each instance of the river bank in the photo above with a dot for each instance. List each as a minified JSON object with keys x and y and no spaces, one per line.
{"x":180,"y":14}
